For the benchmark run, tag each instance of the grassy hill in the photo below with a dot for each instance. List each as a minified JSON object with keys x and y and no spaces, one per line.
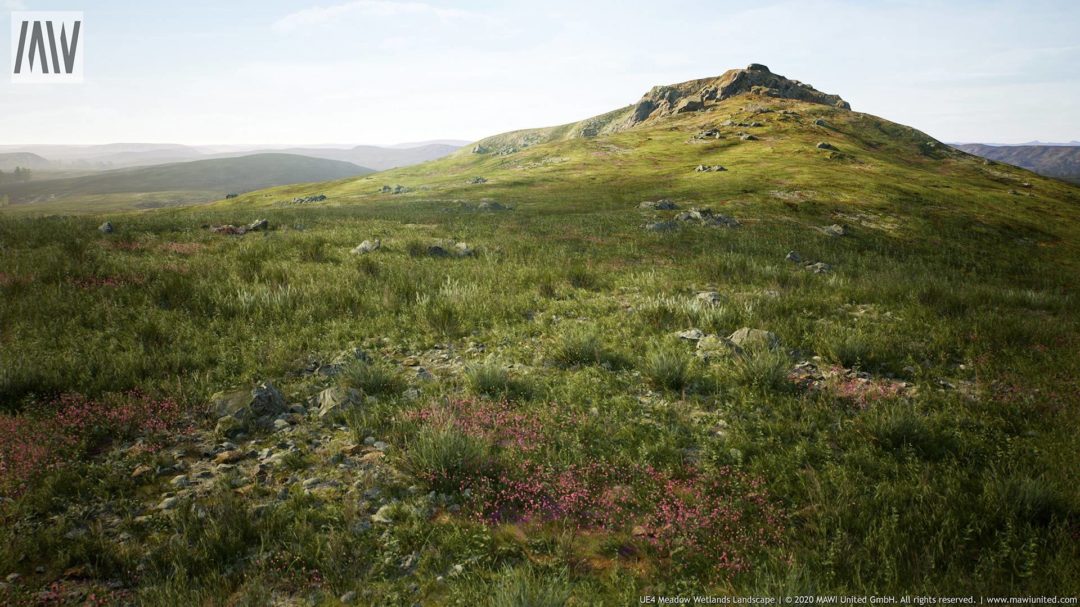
{"x":537,"y":391}
{"x":1059,"y":161}
{"x":184,"y":182}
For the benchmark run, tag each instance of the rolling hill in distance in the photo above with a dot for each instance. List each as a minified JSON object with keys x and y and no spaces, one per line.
{"x":735,"y":338}
{"x":181,"y":183}
{"x":1061,"y":161}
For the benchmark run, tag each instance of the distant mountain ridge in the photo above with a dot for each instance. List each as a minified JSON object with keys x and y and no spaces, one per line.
{"x":1050,"y":160}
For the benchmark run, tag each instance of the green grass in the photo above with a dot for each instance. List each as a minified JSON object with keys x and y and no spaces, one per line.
{"x":564,"y":319}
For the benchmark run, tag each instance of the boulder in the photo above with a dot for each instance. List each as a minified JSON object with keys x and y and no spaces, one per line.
{"x":793,"y":256}
{"x":258,"y":405}
{"x":491,"y":205}
{"x":335,"y":401}
{"x":477,"y":180}
{"x":690,"y":334}
{"x":658,"y":205}
{"x":822,"y":145}
{"x":747,"y":137}
{"x":714,"y":347}
{"x":834,"y":230}
{"x":747,"y":338}
{"x":367,"y":247}
{"x":661,"y":226}
{"x":688,"y":105}
{"x":819,"y":268}
{"x":709,"y":297}
{"x":105,"y":228}
{"x":821,"y":122}
{"x":707,"y":217}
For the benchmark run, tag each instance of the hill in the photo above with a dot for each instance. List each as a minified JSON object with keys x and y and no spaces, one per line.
{"x":196,"y":181}
{"x":733,"y":339}
{"x":1058,"y":161}
{"x":379,"y":158}
{"x":11,"y":161}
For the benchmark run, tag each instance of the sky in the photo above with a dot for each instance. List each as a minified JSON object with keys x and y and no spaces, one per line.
{"x":387,"y":71}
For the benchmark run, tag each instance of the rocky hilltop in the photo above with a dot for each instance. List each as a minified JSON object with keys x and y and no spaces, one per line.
{"x":700,"y":95}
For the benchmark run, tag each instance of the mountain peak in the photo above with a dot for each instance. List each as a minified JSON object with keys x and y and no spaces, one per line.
{"x":697,"y":95}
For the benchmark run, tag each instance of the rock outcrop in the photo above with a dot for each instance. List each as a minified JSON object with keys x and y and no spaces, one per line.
{"x":697,"y":95}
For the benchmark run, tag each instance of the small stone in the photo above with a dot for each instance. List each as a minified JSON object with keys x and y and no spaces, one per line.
{"x":751,"y":338}
{"x":179,"y":482}
{"x":280,"y":424}
{"x":709,"y":297}
{"x":793,"y":256}
{"x":228,"y":457}
{"x":834,"y":230}
{"x":825,"y":146}
{"x":169,"y":503}
{"x":383,"y":515}
{"x":106,"y":228}
{"x":367,"y":246}
{"x":691,"y":334}
{"x":141,"y":471}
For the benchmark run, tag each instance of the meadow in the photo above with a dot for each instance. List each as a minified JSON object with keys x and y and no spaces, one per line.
{"x":530,"y":427}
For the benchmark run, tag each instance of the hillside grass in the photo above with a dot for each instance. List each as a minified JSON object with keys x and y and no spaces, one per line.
{"x":561,"y":377}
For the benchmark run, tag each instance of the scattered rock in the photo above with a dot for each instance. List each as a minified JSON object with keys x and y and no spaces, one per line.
{"x":335,"y":401}
{"x":106,"y":228}
{"x":258,"y":406}
{"x":819,"y":267}
{"x":383,"y":515}
{"x":708,"y":134}
{"x":825,"y":146}
{"x":821,"y":122}
{"x":179,"y":482}
{"x":396,"y":189}
{"x":477,"y":180}
{"x":709,"y":297}
{"x":141,"y":471}
{"x":169,"y":503}
{"x":309,"y":199}
{"x":714,"y":347}
{"x":690,"y":334}
{"x":793,"y":256}
{"x":658,"y":205}
{"x":258,"y":224}
{"x":748,"y":338}
{"x":747,"y":137}
{"x":229,"y":457}
{"x":707,"y":217}
{"x":834,"y":230}
{"x":479,"y":149}
{"x":662,"y":226}
{"x":231,"y":195}
{"x":490,"y":205}
{"x":701,"y":168}
{"x":367,"y":247}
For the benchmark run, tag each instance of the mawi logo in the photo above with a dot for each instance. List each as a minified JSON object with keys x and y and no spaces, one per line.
{"x":46,"y":46}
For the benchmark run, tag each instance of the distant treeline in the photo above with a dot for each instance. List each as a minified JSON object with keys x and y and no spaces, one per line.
{"x":17,"y":176}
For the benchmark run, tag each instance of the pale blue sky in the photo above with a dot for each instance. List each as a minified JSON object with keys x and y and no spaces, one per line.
{"x":383,"y":71}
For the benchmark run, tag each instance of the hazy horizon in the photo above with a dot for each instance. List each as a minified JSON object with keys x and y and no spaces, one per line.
{"x":286,"y":72}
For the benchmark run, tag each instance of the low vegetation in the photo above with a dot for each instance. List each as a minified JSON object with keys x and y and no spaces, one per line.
{"x":533,"y":423}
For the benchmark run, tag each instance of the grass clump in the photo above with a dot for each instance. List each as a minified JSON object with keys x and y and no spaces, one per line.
{"x":582,"y":347}
{"x":669,"y":368}
{"x":762,"y":369}
{"x":371,"y":378}
{"x":445,"y":457}
{"x":526,"y":586}
{"x":495,"y":381}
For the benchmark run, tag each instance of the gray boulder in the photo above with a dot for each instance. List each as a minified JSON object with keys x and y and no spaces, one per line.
{"x":367,"y":247}
{"x":236,"y":411}
{"x":258,"y":224}
{"x":335,"y":401}
{"x":834,"y":230}
{"x":825,"y":146}
{"x":658,"y":205}
{"x":747,"y":338}
{"x":105,"y":228}
{"x":709,"y":297}
{"x":662,"y":226}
